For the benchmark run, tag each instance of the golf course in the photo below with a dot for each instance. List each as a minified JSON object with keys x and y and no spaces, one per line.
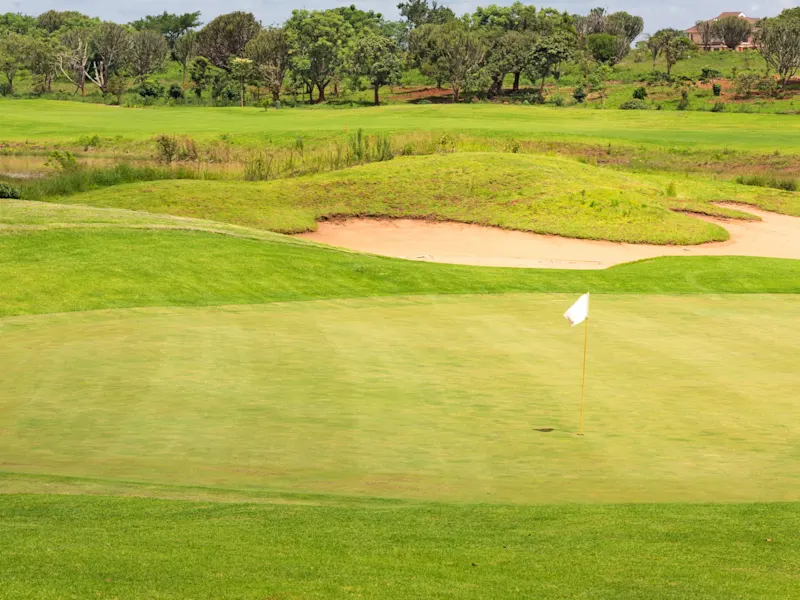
{"x":199,"y":400}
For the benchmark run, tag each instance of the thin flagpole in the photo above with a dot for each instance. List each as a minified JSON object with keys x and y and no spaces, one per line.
{"x":583,"y":385}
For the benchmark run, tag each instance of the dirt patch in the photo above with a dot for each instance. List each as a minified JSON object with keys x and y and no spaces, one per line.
{"x":776,"y":236}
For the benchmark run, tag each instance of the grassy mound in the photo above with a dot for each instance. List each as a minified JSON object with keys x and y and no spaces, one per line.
{"x":527,"y":192}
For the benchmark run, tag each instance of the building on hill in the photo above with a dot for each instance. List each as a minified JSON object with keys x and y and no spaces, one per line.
{"x":716,"y":44}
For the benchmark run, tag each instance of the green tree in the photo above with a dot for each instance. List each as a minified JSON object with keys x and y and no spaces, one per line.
{"x":778,"y":41}
{"x":732,"y":30}
{"x":626,"y":28}
{"x":226,"y":37}
{"x":149,"y":51}
{"x":112,"y":45}
{"x":171,"y":26}
{"x":549,"y":50}
{"x":419,"y":12}
{"x":318,"y":40}
{"x":671,"y":44}
{"x":270,"y":50}
{"x":377,"y":58}
{"x":13,"y":55}
{"x":242,"y":70}
{"x":42,"y":60}
{"x":462,"y":51}
{"x":185,"y":50}
{"x":425,"y":52}
{"x":602,"y":47}
{"x":17,"y":23}
{"x":201,"y":75}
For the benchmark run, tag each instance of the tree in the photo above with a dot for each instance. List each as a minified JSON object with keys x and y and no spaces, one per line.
{"x":149,"y":51}
{"x":13,"y":55}
{"x":550,"y":50}
{"x":377,"y":58}
{"x":270,"y":51}
{"x":419,"y":12}
{"x":226,"y":37}
{"x":73,"y":58}
{"x":778,"y":41}
{"x":462,"y":52}
{"x":509,"y":55}
{"x":171,"y":26}
{"x":200,"y":74}
{"x":318,"y":40}
{"x":112,"y":44}
{"x":653,"y":45}
{"x":671,"y":44}
{"x":55,"y":20}
{"x":241,"y":70}
{"x":17,"y":23}
{"x":425,"y":52}
{"x":626,"y":28}
{"x":185,"y":50}
{"x":42,"y":60}
{"x":602,"y":46}
{"x":706,"y":31}
{"x":733,"y":31}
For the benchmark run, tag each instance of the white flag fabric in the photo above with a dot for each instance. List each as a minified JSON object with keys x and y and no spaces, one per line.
{"x":579,"y":311}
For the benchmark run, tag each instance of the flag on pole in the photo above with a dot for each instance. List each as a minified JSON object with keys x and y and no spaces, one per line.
{"x":579,"y":311}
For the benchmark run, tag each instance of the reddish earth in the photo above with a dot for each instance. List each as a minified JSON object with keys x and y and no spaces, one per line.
{"x":775,"y":236}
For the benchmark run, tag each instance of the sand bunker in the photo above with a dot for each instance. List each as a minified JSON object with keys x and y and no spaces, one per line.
{"x":776,"y":236}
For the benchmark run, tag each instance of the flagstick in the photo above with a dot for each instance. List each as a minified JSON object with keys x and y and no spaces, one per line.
{"x":583,"y":385}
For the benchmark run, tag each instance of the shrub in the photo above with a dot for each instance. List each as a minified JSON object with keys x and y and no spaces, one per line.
{"x":716,"y":89}
{"x":658,"y":78}
{"x":5,"y":89}
{"x":62,"y":160}
{"x":671,"y":190}
{"x":536,"y":97}
{"x":634,"y":104}
{"x":9,"y":191}
{"x":640,"y":93}
{"x":167,"y":148}
{"x":579,"y":94}
{"x":150,"y":89}
{"x":718,"y":107}
{"x":746,"y":83}
{"x":708,"y":74}
{"x":684,"y":102}
{"x":787,"y":184}
{"x":175,"y":92}
{"x":557,"y":100}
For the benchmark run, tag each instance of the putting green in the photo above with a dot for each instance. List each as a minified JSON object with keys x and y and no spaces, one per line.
{"x":689,"y":398}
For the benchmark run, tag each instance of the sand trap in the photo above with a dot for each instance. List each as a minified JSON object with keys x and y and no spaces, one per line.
{"x":775,"y":236}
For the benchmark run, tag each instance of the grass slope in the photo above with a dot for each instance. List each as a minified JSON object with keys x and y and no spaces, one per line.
{"x":88,"y":269}
{"x":79,"y":547}
{"x":426,"y":397}
{"x":538,"y":193}
{"x":53,"y":121}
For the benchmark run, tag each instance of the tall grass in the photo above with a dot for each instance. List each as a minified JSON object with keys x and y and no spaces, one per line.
{"x":74,"y":181}
{"x":766,"y":181}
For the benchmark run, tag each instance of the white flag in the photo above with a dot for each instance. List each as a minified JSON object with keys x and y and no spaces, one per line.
{"x":579,"y":311}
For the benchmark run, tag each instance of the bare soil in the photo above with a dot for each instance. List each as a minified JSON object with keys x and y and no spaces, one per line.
{"x":776,"y":236}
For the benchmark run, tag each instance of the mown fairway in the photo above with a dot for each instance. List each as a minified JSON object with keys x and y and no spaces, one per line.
{"x":426,"y":398}
{"x":45,"y":120}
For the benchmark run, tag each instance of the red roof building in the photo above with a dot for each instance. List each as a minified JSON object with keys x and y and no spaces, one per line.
{"x":694,"y":34}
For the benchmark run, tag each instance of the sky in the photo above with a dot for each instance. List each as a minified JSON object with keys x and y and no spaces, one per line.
{"x":657,"y":14}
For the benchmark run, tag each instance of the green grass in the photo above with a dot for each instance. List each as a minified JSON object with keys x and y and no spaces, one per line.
{"x":537,"y":193}
{"x":64,"y":122}
{"x":421,"y":397}
{"x":62,"y":269}
{"x":78,"y":547}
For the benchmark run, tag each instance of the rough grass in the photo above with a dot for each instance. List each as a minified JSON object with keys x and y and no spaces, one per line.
{"x":132,"y":548}
{"x":52,"y":121}
{"x":527,"y":192}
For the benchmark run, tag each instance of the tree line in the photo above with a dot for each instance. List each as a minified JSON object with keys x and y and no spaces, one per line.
{"x":319,"y":50}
